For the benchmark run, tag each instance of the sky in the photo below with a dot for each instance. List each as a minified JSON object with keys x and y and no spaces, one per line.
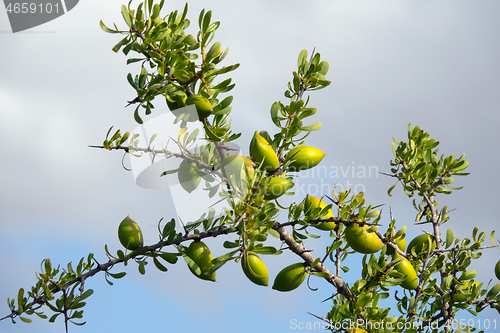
{"x":434,"y":64}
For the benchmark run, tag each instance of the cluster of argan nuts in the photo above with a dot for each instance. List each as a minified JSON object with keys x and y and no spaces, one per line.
{"x":292,"y":276}
{"x":289,"y":278}
{"x":241,"y":171}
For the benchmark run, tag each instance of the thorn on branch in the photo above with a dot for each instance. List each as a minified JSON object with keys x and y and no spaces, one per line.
{"x":138,"y":99}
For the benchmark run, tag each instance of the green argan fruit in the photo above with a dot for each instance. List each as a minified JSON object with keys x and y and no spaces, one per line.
{"x":130,"y":234}
{"x":254,"y":269}
{"x":313,"y":202}
{"x":290,"y":277}
{"x":497,"y":270}
{"x":404,"y":267}
{"x":262,"y":153}
{"x":188,"y":176}
{"x":202,"y":104}
{"x":304,"y":157}
{"x":202,"y":256}
{"x":362,"y":241}
{"x":400,"y":242}
{"x":237,"y":165}
{"x":421,"y":245}
{"x":277,"y":187}
{"x":177,"y":104}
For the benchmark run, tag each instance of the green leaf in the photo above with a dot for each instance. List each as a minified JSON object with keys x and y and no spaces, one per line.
{"x":200,"y":18}
{"x":450,"y":236}
{"x":139,"y":251}
{"x":335,"y":245}
{"x":468,"y":275}
{"x":77,"y":305}
{"x":265,"y":250}
{"x":150,"y":5}
{"x":120,"y":255}
{"x":48,"y":266}
{"x":117,"y":275}
{"x":307,"y":112}
{"x":126,"y":16}
{"x":226,"y":102}
{"x":312,"y":235}
{"x":171,"y":258}
{"x":192,"y":265}
{"x":119,"y":45}
{"x":323,"y":67}
{"x":136,"y":116}
{"x":302,"y":58}
{"x":124,"y":138}
{"x":41,"y":315}
{"x":20,"y":300}
{"x":192,"y":137}
{"x":142,"y":77}
{"x":131,"y":81}
{"x":53,"y":318}
{"x":230,"y":245}
{"x":493,"y":291}
{"x":106,"y":29}
{"x":310,"y":128}
{"x":320,"y":274}
{"x":212,"y":27}
{"x":86,"y":294}
{"x":168,"y":228}
{"x":26,"y":320}
{"x":206,"y":21}
{"x":273,"y":233}
{"x":159,"y":265}
{"x":274,"y":114}
{"x":391,"y":188}
{"x":215,"y":47}
{"x":315,"y":262}
{"x":142,"y":267}
{"x":132,"y":60}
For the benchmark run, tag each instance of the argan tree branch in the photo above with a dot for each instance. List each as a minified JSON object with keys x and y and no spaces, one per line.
{"x":309,"y":259}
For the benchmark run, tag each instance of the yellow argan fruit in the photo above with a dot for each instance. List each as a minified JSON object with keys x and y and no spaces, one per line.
{"x":404,"y":267}
{"x":313,"y":202}
{"x":202,"y":104}
{"x":254,"y":269}
{"x":262,"y":153}
{"x":188,"y":176}
{"x":290,"y":277}
{"x":421,"y":245}
{"x":130,"y":234}
{"x":356,"y":330}
{"x":202,"y":256}
{"x":304,"y":157}
{"x":276,"y":187}
{"x":362,"y":241}
{"x":497,"y":270}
